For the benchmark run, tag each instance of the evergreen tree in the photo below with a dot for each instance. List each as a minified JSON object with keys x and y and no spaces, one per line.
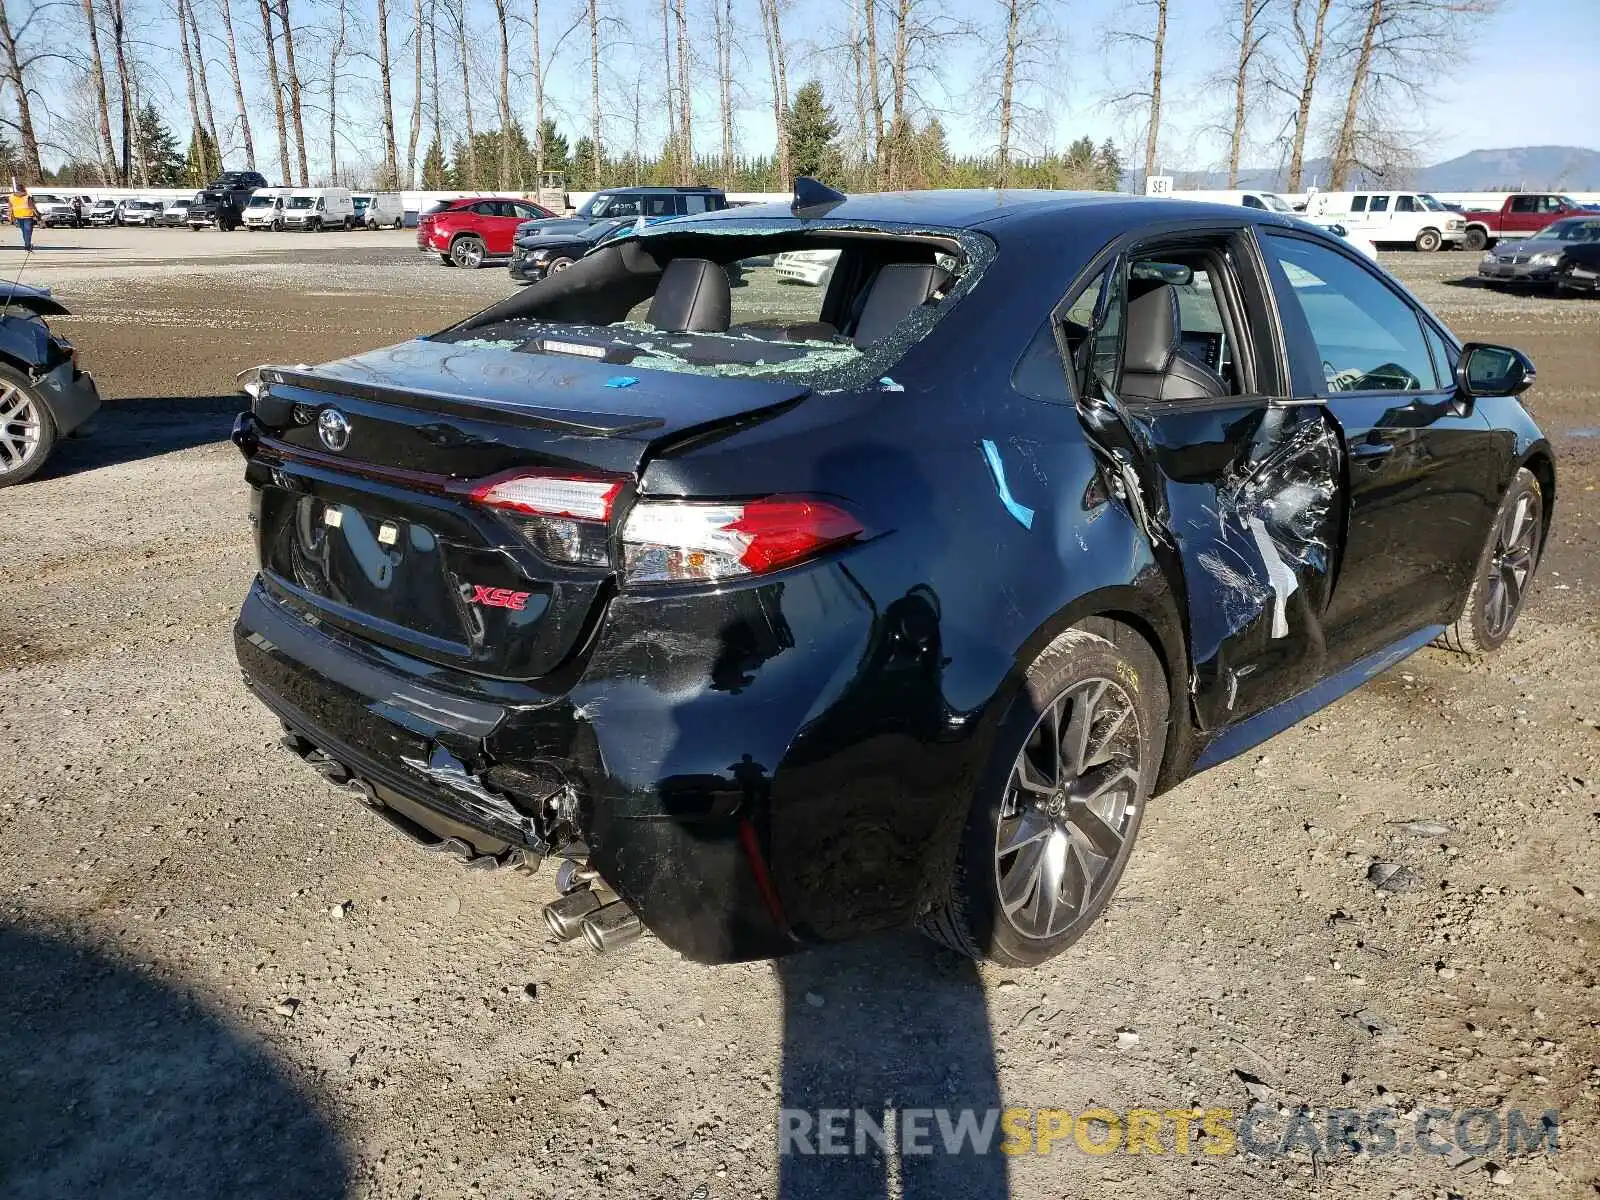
{"x":1108,"y":164}
{"x":812,"y":131}
{"x":157,"y":148}
{"x":202,"y":164}
{"x":436,"y":175}
{"x":581,"y":176}
{"x":557,"y":153}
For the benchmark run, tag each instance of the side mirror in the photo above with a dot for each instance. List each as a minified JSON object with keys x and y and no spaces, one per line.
{"x":1485,"y":370}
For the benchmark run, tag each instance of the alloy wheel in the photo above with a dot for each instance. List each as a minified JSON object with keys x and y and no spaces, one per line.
{"x":1516,"y":543}
{"x":468,"y":253}
{"x":1070,"y":803}
{"x":19,"y":428}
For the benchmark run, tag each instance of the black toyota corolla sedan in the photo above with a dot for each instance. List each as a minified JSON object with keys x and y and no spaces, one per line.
{"x":781,"y":615}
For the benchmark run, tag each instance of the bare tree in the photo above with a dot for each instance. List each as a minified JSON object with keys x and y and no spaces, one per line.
{"x":119,"y":46}
{"x":334,"y":55}
{"x":238,"y":83}
{"x":506,"y":169}
{"x":16,"y":74}
{"x":391,"y":152}
{"x":1396,"y":48}
{"x":1252,"y":36}
{"x":594,"y":87}
{"x":778,"y":65}
{"x":276,"y":87}
{"x":1147,"y":96}
{"x":669,"y":95}
{"x":433,"y":68}
{"x":874,"y":91}
{"x":458,"y":16}
{"x":415,"y":133}
{"x":204,"y":87}
{"x":685,"y":98}
{"x":102,"y":101}
{"x":296,"y":111}
{"x":182,"y":12}
{"x":722,"y":19}
{"x":1023,"y":47}
{"x":1308,"y":43}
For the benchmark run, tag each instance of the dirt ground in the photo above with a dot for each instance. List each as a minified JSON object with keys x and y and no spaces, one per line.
{"x":221,"y":977}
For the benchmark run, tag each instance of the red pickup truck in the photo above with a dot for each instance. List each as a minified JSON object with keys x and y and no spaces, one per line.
{"x":1520,"y":216}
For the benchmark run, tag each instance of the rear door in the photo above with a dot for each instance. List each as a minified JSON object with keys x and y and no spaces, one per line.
{"x":1240,"y":493}
{"x":497,"y":223}
{"x":1422,"y":463}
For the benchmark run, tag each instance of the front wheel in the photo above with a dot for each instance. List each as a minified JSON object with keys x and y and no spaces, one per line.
{"x":1059,"y":804}
{"x":557,"y":265}
{"x":27,"y":431}
{"x":468,"y":252}
{"x":1477,"y":238}
{"x":1429,"y":240}
{"x":1505,"y":569}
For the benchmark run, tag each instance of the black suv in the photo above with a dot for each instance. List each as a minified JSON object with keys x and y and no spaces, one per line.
{"x":221,"y":202}
{"x":651,"y":203}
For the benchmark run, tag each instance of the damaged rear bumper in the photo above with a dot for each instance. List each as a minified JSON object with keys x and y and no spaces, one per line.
{"x":496,"y":764}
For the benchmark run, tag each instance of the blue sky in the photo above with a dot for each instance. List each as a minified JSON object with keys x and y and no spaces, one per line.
{"x":1527,"y":77}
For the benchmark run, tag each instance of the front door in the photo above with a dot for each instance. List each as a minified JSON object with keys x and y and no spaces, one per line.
{"x":1240,"y":493}
{"x":1421,"y":461}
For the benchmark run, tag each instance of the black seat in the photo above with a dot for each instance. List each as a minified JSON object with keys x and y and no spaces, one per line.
{"x":1155,"y":366}
{"x":896,"y":290}
{"x":692,"y":297}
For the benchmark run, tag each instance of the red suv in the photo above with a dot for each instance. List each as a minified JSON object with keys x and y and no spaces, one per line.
{"x":470,"y":231}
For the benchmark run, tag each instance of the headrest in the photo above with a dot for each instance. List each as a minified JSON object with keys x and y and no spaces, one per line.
{"x":895,"y":292}
{"x":692,"y":297}
{"x":1153,"y":325}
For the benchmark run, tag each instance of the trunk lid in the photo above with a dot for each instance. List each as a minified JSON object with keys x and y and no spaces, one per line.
{"x":364,"y":467}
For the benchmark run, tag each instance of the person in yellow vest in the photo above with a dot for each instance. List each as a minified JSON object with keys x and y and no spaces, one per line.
{"x":24,"y":214}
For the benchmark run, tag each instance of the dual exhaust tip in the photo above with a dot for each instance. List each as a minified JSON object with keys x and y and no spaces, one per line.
{"x":605,"y":922}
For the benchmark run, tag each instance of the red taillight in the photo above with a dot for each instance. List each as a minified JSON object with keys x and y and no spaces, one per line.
{"x":672,"y":541}
{"x":565,"y":517}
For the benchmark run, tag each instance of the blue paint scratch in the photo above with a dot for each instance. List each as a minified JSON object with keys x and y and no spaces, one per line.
{"x":1022,"y":513}
{"x":622,"y":381}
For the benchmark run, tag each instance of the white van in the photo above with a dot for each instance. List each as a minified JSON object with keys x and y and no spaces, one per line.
{"x":319,"y":208}
{"x":1399,"y":218}
{"x":1272,"y":202}
{"x":264,"y":209}
{"x":379,"y":210}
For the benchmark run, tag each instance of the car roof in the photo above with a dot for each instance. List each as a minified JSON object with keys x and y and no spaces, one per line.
{"x":658,"y":190}
{"x":992,"y":211}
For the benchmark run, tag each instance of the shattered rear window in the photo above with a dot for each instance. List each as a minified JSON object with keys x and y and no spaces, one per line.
{"x":824,"y":328}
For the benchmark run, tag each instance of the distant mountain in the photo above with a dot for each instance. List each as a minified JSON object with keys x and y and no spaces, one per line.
{"x":1571,"y":168}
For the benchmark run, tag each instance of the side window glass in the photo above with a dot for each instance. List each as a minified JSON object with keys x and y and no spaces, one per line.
{"x":1107,"y":321}
{"x":1379,"y":204}
{"x":1368,"y":338}
{"x":658,"y":206}
{"x":623,"y":206}
{"x":1040,"y":372}
{"x":1359,"y":204}
{"x":1444,"y":357}
{"x":694,"y":203}
{"x":1405,"y":204}
{"x":1521,"y":204}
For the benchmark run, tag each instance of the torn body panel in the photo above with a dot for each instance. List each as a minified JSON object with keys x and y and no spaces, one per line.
{"x":1247,"y":499}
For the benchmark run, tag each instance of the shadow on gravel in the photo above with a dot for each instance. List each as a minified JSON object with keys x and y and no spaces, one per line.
{"x":890,"y":1024}
{"x":144,"y":427}
{"x":116,"y":1086}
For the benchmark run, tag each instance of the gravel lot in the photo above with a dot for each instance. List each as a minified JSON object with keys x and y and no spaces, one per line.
{"x":222,"y":977}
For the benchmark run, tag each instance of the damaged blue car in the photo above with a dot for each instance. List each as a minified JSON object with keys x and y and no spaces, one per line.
{"x":44,"y":394}
{"x":779,"y":615}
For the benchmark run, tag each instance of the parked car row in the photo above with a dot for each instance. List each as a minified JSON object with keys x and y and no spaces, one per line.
{"x":474,"y":230}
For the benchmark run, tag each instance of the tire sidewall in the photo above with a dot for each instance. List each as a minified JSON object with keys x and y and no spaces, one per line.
{"x":460,"y":247}
{"x":1428,"y":241}
{"x":1474,"y":617}
{"x":47,"y":430}
{"x":1074,"y":656}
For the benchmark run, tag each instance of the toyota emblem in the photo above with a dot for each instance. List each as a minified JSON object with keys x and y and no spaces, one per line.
{"x":333,"y":428}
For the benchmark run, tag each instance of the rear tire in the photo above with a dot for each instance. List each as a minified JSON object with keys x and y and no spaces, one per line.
{"x":468,"y":252}
{"x":1040,"y":856}
{"x":27,"y":430}
{"x":1504,"y":572}
{"x":1429,"y":240}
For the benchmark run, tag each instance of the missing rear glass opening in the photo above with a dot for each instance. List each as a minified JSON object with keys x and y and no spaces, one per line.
{"x":828,"y":306}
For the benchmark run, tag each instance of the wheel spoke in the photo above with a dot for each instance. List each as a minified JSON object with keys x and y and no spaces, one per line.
{"x":1511,"y":588}
{"x":1024,"y":829}
{"x":1018,"y":883}
{"x":1106,"y":841}
{"x":1080,"y":725}
{"x":1109,"y":733}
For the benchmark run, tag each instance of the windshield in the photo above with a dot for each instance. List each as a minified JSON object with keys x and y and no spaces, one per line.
{"x":1578,"y":229}
{"x":302,"y":201}
{"x":604,"y":309}
{"x":1429,"y":204}
{"x":262,"y":201}
{"x":1276,"y":202}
